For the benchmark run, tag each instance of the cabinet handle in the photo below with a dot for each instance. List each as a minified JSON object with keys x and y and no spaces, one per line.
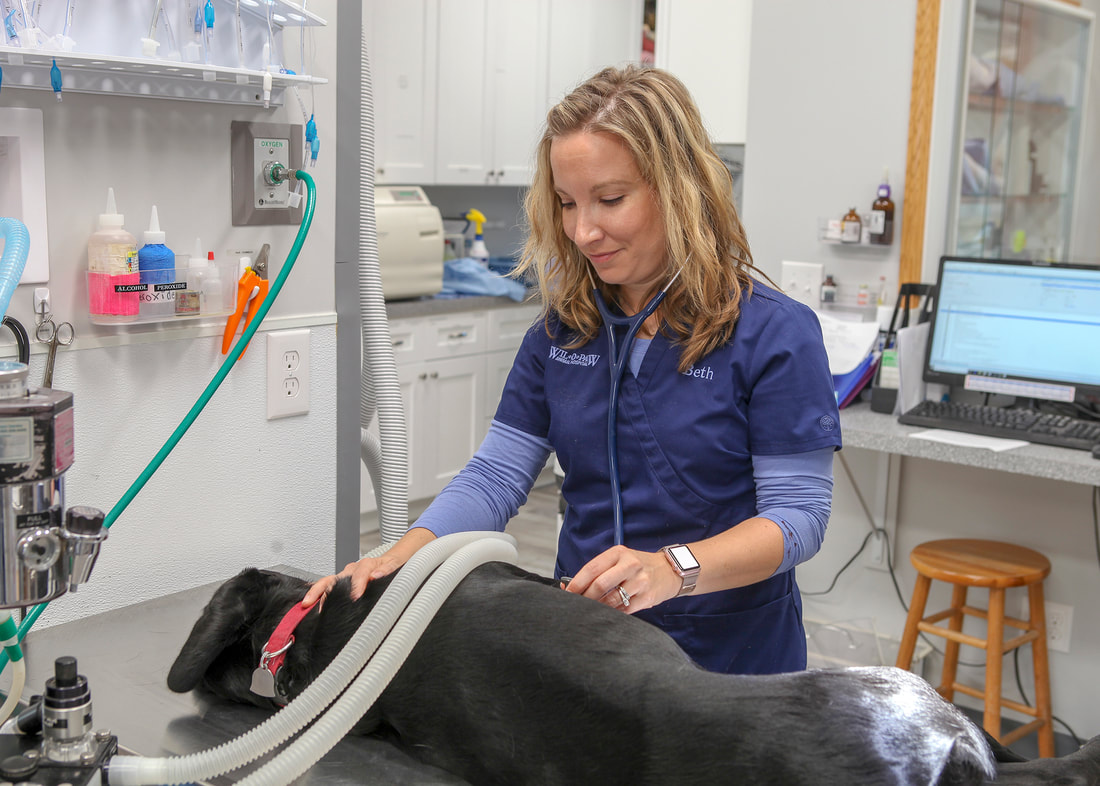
{"x":460,"y":334}
{"x":400,"y":342}
{"x":435,"y":375}
{"x":423,"y":376}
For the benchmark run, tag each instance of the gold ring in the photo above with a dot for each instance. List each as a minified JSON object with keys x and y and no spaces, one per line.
{"x":623,"y":596}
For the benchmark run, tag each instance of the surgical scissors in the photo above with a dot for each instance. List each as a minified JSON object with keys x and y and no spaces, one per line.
{"x":49,"y":332}
{"x":618,"y":360}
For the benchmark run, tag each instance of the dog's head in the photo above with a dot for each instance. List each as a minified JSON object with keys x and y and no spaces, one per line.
{"x":226,"y":642}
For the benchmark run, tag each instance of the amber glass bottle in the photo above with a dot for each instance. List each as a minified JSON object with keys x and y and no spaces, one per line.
{"x":884,"y":205}
{"x":851,"y":227}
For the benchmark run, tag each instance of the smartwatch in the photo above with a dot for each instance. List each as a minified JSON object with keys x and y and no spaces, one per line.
{"x":686,"y":566}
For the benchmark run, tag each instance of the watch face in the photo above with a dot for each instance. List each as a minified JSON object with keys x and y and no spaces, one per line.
{"x":684,"y":558}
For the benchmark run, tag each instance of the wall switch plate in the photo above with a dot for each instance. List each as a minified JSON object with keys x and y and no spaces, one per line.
{"x":252,"y":146}
{"x":287,"y":373}
{"x":802,"y":281}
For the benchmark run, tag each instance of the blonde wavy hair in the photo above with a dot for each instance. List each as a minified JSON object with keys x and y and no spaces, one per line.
{"x":653,"y":115}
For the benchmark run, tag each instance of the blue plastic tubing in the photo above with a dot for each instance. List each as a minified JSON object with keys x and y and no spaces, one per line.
{"x":17,"y":244}
{"x":211,"y":388}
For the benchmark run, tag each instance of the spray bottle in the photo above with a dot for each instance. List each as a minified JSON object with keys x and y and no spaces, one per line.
{"x":478,"y":250}
{"x":112,"y":265}
{"x":157,"y":265}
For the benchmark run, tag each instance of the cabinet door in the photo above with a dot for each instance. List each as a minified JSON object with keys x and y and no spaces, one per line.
{"x":518,"y":56}
{"x":455,"y":401}
{"x":403,"y":49}
{"x":1020,"y":129}
{"x":465,"y":136}
{"x":587,"y":36}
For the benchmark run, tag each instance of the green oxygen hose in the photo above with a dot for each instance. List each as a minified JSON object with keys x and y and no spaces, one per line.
{"x":207,"y":394}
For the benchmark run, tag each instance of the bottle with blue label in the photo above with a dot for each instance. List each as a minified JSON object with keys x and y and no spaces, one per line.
{"x":157,"y":268}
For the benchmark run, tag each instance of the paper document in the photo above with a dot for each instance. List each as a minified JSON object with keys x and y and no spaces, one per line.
{"x":847,"y":343}
{"x":966,"y":440}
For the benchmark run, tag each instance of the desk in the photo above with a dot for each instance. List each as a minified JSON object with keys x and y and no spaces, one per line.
{"x":862,"y":428}
{"x":126,"y":653}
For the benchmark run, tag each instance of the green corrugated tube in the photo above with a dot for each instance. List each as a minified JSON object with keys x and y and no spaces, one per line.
{"x":207,"y":394}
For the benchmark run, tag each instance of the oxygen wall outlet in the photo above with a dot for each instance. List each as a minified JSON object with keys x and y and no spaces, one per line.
{"x":287,"y":373}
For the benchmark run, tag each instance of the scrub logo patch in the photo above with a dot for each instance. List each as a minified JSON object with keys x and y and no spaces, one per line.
{"x":573,"y":358}
{"x":826,"y":422}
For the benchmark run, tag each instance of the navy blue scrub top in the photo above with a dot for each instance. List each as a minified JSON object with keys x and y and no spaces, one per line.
{"x":686,"y":442}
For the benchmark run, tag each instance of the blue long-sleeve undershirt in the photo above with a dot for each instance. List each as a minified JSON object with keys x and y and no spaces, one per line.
{"x":794,"y":491}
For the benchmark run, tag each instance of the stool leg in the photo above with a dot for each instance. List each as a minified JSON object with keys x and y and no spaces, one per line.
{"x":916,"y":611}
{"x":951,"y":651}
{"x":1039,"y":657}
{"x":994,"y":659}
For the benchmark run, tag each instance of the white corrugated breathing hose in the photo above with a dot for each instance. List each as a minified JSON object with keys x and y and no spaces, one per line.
{"x":384,"y":456}
{"x":352,"y":659}
{"x":339,"y":719}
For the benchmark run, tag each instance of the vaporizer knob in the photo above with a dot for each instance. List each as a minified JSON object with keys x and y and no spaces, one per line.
{"x":84,"y":520}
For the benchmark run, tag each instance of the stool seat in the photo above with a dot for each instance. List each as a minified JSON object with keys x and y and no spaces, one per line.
{"x":980,"y":563}
{"x":995,"y":566}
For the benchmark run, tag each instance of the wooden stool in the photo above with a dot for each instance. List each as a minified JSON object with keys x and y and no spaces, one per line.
{"x":995,"y":566}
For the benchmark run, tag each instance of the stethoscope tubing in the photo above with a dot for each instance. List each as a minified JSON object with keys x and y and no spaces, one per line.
{"x":618,"y":359}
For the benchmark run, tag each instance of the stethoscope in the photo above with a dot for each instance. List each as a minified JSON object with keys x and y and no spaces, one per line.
{"x":618,"y":360}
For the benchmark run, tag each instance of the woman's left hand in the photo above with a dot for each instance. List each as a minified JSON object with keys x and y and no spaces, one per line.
{"x":626,"y":579}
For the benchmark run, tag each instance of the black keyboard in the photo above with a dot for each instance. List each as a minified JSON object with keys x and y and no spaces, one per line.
{"x":1026,"y":424}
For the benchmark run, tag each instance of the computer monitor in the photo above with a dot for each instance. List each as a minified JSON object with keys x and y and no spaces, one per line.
{"x":1016,"y":327}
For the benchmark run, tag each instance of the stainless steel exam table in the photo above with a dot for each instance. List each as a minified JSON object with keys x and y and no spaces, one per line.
{"x":125,"y":655}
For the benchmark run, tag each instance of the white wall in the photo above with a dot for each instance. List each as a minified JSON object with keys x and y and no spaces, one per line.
{"x":239,"y":490}
{"x":828,"y":106}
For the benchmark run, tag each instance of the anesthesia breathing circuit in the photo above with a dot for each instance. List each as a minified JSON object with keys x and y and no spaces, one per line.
{"x":47,"y":549}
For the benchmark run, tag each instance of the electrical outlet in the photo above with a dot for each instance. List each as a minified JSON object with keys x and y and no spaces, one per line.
{"x":287,"y":373}
{"x":1059,"y":625}
{"x":876,"y":551}
{"x":802,"y":281}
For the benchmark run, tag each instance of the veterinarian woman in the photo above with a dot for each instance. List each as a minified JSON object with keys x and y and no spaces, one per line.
{"x":727,"y":420}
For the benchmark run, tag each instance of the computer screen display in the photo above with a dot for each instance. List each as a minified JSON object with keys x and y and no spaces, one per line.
{"x":1016,"y":327}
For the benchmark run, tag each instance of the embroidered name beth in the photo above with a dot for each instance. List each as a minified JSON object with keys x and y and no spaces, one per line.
{"x":573,"y":358}
{"x":706,"y":372}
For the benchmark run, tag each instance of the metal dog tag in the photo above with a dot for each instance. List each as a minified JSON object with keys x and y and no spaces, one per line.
{"x":263,"y":683}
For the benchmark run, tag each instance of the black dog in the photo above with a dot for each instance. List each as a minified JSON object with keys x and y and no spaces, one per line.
{"x":518,"y":682}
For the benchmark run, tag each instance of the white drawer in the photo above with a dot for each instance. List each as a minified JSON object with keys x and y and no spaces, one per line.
{"x":508,"y":326}
{"x":454,"y":335}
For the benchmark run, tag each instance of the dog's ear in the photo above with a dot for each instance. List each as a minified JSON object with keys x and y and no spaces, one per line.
{"x":226,"y":619}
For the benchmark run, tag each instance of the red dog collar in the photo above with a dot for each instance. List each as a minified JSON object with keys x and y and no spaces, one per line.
{"x":274,"y":653}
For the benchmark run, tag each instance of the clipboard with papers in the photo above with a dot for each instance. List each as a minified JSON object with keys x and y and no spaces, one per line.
{"x":852,"y":348}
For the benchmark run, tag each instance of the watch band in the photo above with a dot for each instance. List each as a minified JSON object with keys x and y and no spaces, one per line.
{"x":686,"y":566}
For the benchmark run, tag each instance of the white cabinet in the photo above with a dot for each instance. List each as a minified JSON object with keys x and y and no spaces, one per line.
{"x":402,"y":43}
{"x":451,"y":370}
{"x":492,"y":90}
{"x":462,"y":89}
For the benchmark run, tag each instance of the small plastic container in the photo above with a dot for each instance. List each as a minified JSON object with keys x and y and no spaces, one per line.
{"x":112,"y":269}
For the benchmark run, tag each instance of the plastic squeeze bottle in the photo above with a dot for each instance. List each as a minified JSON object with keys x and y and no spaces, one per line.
{"x":113,"y":279}
{"x":157,"y":265}
{"x":478,"y":250}
{"x":213,"y":294}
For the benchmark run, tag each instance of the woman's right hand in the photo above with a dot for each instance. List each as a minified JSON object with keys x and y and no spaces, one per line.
{"x":368,"y":569}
